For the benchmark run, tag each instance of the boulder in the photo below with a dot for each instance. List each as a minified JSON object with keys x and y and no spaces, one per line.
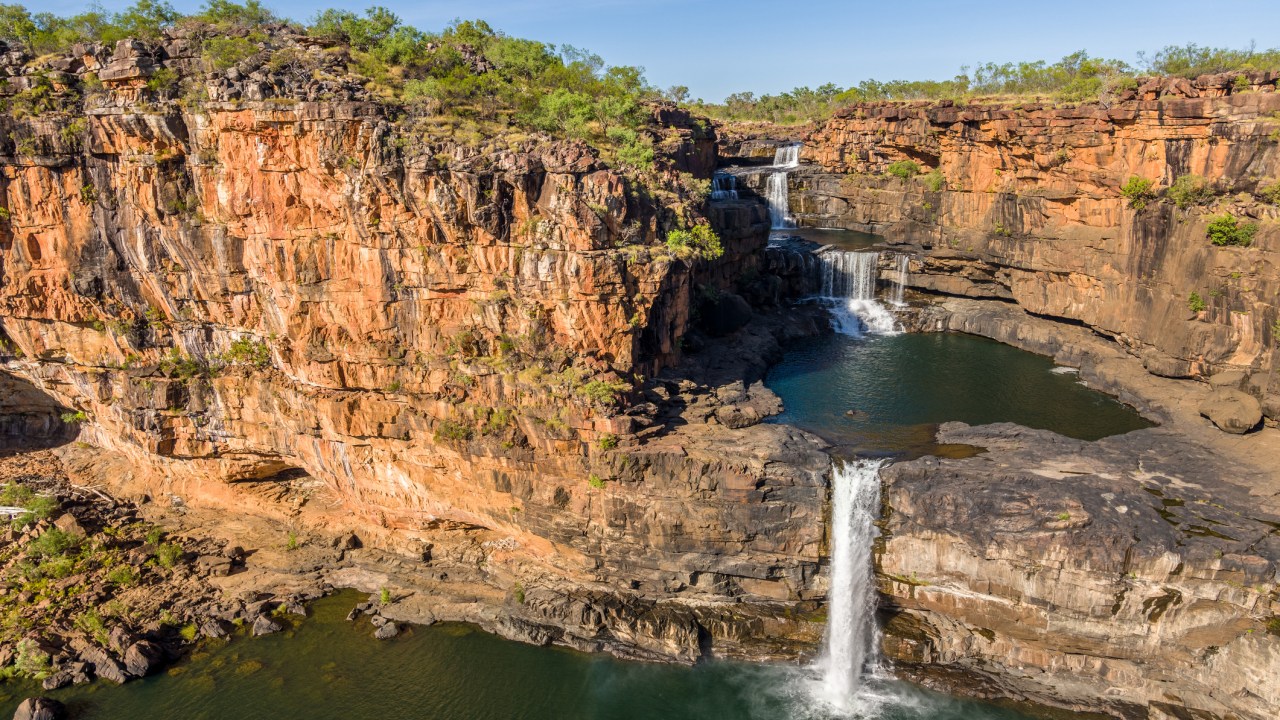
{"x":1229,"y":379}
{"x":142,"y":658}
{"x":1232,"y":411}
{"x":40,"y":708}
{"x":387,"y":631}
{"x":264,"y":625}
{"x":104,"y":666}
{"x":68,"y":524}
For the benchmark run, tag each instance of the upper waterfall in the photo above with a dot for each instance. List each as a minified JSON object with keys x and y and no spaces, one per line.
{"x":787,"y":156}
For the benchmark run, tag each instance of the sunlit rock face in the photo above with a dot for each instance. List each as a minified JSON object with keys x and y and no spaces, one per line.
{"x":1027,"y":207}
{"x":444,"y":334}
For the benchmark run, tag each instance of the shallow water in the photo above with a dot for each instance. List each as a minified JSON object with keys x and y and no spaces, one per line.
{"x":329,"y":668}
{"x":900,"y":387}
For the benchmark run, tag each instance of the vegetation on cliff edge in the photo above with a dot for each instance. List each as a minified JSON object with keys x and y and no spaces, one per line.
{"x":1075,"y":78}
{"x":467,"y":71}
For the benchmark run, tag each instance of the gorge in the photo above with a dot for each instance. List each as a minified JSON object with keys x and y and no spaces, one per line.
{"x":916,"y":392}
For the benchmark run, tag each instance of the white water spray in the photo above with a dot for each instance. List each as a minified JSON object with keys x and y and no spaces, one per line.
{"x":848,"y":280}
{"x":852,"y":642}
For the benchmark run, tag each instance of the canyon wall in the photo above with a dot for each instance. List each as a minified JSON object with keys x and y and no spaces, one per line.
{"x":1023,"y":203}
{"x":283,"y":277}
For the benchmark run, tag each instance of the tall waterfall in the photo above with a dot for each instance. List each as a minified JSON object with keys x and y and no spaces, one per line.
{"x":903,"y":269}
{"x":852,"y":641}
{"x":775,"y":193}
{"x":775,"y":187}
{"x":724,"y":187}
{"x":849,"y":280}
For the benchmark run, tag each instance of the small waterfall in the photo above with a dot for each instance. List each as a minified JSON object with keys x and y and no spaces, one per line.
{"x":903,"y":269}
{"x":852,"y":642}
{"x":787,"y":156}
{"x":724,"y":187}
{"x":849,"y":280}
{"x":775,"y":193}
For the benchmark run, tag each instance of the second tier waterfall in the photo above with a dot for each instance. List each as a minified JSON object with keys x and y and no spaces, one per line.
{"x":848,"y":280}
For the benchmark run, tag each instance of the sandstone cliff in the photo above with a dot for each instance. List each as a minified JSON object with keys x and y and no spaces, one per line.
{"x":271,"y":275}
{"x":1026,"y":206}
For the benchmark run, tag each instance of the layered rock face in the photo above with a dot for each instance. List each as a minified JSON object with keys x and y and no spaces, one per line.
{"x":1026,"y":206}
{"x":246,"y":286}
{"x":1124,"y":575}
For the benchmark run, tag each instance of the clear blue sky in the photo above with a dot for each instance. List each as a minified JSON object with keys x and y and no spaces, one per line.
{"x":717,"y":48}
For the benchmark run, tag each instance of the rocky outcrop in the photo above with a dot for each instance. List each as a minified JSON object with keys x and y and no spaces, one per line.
{"x":1023,"y":203}
{"x":1124,"y":575}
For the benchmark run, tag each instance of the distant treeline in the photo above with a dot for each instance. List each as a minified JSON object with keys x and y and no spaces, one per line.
{"x":1074,"y":78}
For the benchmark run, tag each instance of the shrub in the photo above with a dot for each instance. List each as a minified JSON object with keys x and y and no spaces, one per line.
{"x":1188,"y":190}
{"x":451,"y":431}
{"x":291,"y":542}
{"x":517,"y":592}
{"x":1196,"y":303}
{"x":1270,"y":193}
{"x":30,"y":661}
{"x":934,"y":180}
{"x":384,"y":596}
{"x":223,"y":53}
{"x":603,"y":391}
{"x":904,"y":169}
{"x":245,"y":351}
{"x":1138,"y":191}
{"x":163,"y":79}
{"x":608,"y":441}
{"x":74,"y":418}
{"x":700,"y":241}
{"x":189,"y":632}
{"x":123,"y":575}
{"x":169,"y":555}
{"x":595,"y":481}
{"x":52,"y":543}
{"x":1225,"y":229}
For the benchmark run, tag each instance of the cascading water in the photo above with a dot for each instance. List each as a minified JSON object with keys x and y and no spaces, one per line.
{"x":851,"y":645}
{"x":775,"y":187}
{"x":787,"y":156}
{"x":848,"y":279}
{"x":724,"y":187}
{"x":775,"y":194}
{"x":903,"y":268}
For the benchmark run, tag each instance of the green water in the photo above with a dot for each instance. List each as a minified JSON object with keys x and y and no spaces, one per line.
{"x":329,"y":668}
{"x":900,"y":387}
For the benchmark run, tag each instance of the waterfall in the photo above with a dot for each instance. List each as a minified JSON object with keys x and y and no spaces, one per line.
{"x":724,"y":187}
{"x":848,"y":279}
{"x":903,"y":268}
{"x":775,"y":187}
{"x":852,"y":641}
{"x":787,"y":156}
{"x":775,"y":193}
